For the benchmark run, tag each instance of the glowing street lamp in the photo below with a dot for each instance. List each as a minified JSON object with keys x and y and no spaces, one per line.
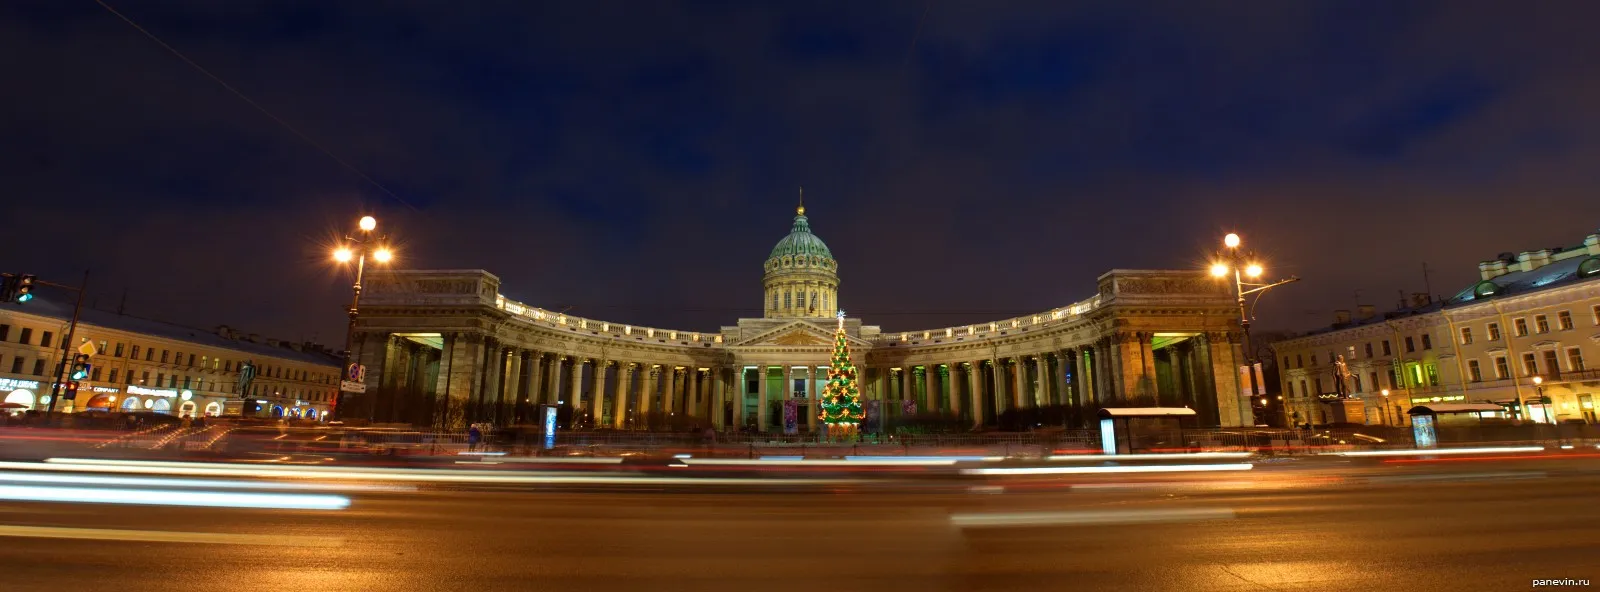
{"x":357,"y":248}
{"x":1243,"y":265}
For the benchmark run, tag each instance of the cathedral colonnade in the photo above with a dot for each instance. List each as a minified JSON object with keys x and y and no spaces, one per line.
{"x":447,"y":348}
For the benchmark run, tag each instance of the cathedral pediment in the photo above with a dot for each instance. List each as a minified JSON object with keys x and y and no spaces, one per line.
{"x":798,"y":333}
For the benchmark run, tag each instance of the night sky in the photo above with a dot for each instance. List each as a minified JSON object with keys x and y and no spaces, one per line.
{"x":636,"y":160}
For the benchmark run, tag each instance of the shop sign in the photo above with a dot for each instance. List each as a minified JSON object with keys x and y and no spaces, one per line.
{"x":14,"y":384}
{"x":150,"y":392}
{"x":104,"y":389}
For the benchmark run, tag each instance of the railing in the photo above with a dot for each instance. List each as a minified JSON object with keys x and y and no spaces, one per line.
{"x":991,"y":329}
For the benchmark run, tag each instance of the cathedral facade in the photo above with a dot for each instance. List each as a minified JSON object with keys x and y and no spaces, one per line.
{"x":447,"y":348}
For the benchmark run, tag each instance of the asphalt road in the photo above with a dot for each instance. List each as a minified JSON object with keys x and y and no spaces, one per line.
{"x":1328,"y":525}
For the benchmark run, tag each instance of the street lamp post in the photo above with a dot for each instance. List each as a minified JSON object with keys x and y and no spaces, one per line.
{"x":1386,"y":407}
{"x":1241,"y":265}
{"x":1538,"y":392}
{"x":357,"y":248}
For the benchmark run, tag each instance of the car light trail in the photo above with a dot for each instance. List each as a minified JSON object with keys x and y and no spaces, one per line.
{"x":388,"y":474}
{"x":1440,"y":451}
{"x":1094,"y":470}
{"x":1164,"y":456}
{"x":56,"y":479}
{"x":1034,"y":519}
{"x":158,"y":497}
{"x":166,"y":536}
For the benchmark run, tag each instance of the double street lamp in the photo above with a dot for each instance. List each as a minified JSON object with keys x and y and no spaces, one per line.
{"x":357,"y":248}
{"x":1246,"y":270}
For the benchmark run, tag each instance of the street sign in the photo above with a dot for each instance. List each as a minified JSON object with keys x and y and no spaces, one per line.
{"x":356,"y":373}
{"x":352,"y":387}
{"x":87,"y":349}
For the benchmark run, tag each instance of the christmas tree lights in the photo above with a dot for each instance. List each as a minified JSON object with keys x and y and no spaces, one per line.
{"x":841,"y":398}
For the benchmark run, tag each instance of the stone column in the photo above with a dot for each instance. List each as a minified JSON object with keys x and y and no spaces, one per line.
{"x":619,"y":415}
{"x":815,"y":406}
{"x":975,"y":385}
{"x":764,"y":386}
{"x":510,"y":392}
{"x":953,"y":384}
{"x":647,"y":396}
{"x":670,"y":397}
{"x":741,"y":379}
{"x":603,"y":384}
{"x":1225,"y":371}
{"x":908,"y":374}
{"x":1019,"y":379}
{"x":1059,"y":378}
{"x":930,"y":388}
{"x":552,"y":380}
{"x":997,"y":384}
{"x":719,"y":398}
{"x":693,"y":400}
{"x":577,"y":388}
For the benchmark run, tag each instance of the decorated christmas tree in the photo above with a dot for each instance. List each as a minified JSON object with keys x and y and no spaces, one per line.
{"x":841,"y":399}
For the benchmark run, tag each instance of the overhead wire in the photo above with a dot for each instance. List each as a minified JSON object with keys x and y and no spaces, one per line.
{"x":258,"y":107}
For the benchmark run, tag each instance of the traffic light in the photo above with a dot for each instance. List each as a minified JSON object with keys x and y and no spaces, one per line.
{"x":70,"y":391}
{"x":80,"y":367}
{"x":24,"y":289}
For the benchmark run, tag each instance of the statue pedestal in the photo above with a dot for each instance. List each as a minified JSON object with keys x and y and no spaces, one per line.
{"x":1347,"y":411}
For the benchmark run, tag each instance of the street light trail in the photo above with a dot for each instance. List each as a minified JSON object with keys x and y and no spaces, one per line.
{"x":1439,"y":451}
{"x":56,"y":479}
{"x":1036,"y":519}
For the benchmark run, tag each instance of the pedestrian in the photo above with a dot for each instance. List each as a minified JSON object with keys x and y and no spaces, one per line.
{"x":473,"y":436}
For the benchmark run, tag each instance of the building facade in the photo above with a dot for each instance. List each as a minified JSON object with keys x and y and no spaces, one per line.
{"x":448,"y":347}
{"x":145,"y":365}
{"x":1520,"y":337}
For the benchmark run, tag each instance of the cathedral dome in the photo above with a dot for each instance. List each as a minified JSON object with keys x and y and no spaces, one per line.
{"x":800,"y":242}
{"x":802,"y":278}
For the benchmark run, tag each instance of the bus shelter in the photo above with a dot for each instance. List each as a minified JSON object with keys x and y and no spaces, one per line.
{"x":1125,"y":430}
{"x":1426,"y":419}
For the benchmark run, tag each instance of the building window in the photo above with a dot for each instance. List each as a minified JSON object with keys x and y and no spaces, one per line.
{"x":144,"y":377}
{"x":1304,"y":392}
{"x":1394,"y":381}
{"x":1299,"y":361}
{"x":186,"y":381}
{"x":191,"y":359}
{"x":5,"y":330}
{"x":1330,"y":357}
{"x":1552,"y":363}
{"x":788,"y":300}
{"x":1519,"y":327}
{"x":113,"y":376}
{"x":1574,"y":359}
{"x":94,"y":375}
{"x":149,"y":354}
{"x":177,"y":358}
{"x":1530,"y":364}
{"x":1369,"y":351}
{"x":200,"y":383}
{"x":1474,"y":373}
{"x":1502,"y":368}
{"x":1596,"y":311}
{"x":1433,"y":375}
{"x":44,"y":340}
{"x":1286,"y":362}
{"x":161,"y":378}
{"x":100,"y":348}
{"x":1427,"y":341}
{"x":1411,"y":345}
{"x":118,"y":351}
{"x":1541,"y":323}
{"x":216,"y":363}
{"x":1319,"y":385}
{"x":1466,"y":336}
{"x":774,"y":300}
{"x":1355,"y":379}
{"x":16,"y":365}
{"x":1386,"y":350}
{"x":133,"y":354}
{"x":163,"y":356}
{"x":1564,"y":320}
{"x":38,"y":367}
{"x":1494,"y":331}
{"x":27,"y":336}
{"x":172,"y":381}
{"x":227,"y":366}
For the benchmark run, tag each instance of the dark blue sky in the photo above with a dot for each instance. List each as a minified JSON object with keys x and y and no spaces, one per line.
{"x":636,"y":160}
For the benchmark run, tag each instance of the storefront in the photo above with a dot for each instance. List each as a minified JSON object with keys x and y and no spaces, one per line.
{"x":21,"y":395}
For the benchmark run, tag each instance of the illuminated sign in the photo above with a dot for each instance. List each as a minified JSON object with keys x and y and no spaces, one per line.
{"x":1108,"y":436}
{"x":104,"y":389}
{"x":549,"y":427}
{"x":12,"y":384}
{"x":1438,"y":399}
{"x":134,"y":389}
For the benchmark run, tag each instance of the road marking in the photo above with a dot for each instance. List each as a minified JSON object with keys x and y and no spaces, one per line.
{"x":1026,"y":519}
{"x":1118,"y":469}
{"x":166,"y":536}
{"x":157,"y":497}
